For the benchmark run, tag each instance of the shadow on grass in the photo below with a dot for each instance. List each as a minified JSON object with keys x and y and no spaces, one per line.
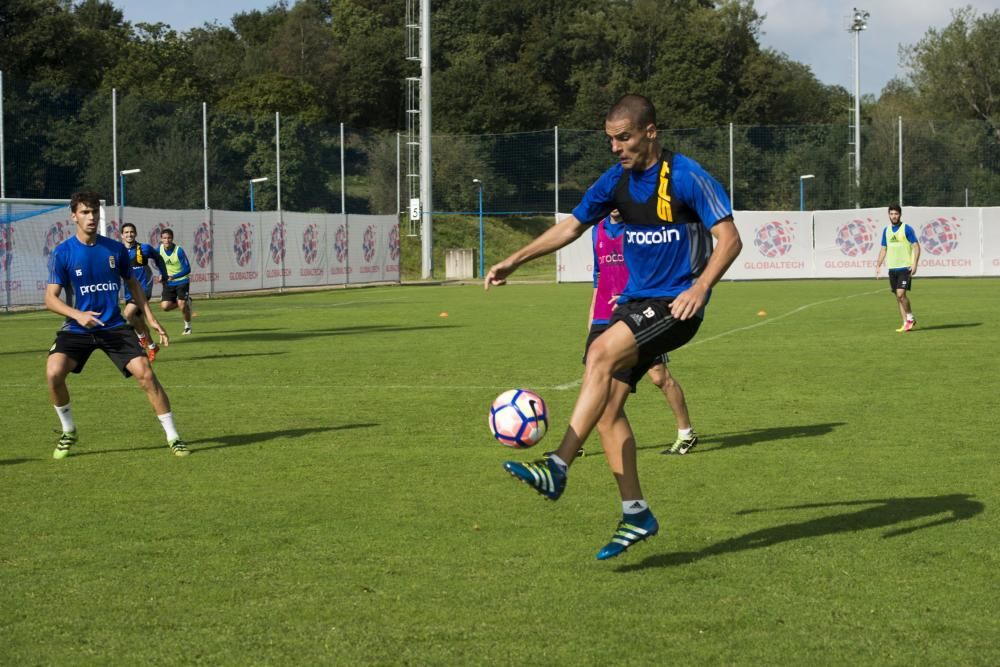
{"x":235,"y":440}
{"x":755,"y":436}
{"x":242,"y":439}
{"x":14,"y":462}
{"x":880,"y":513}
{"x":209,"y":357}
{"x":935,"y":327}
{"x":286,"y":335}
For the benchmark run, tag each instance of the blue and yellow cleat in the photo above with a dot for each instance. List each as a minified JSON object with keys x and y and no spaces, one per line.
{"x":66,"y":440}
{"x":543,"y":475}
{"x":631,"y":529}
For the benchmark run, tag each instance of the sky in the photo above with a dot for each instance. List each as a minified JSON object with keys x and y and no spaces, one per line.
{"x":812,"y":32}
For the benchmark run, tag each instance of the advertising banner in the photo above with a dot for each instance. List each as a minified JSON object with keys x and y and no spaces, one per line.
{"x":237,"y":250}
{"x":775,"y":245}
{"x":575,"y":262}
{"x":373,"y":248}
{"x":990,"y":227}
{"x":306,"y":249}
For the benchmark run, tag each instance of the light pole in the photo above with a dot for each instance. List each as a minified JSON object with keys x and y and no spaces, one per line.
{"x":480,"y":184}
{"x":252,"y":181}
{"x":121,"y":176}
{"x":802,"y":190}
{"x":859,"y":21}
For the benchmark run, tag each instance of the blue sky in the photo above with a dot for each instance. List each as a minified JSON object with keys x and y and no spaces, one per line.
{"x":813,"y":32}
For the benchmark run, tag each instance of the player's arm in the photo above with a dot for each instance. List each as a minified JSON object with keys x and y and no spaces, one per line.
{"x":916,"y":259}
{"x":139,"y":296}
{"x":555,"y":237}
{"x":161,"y":266}
{"x":85,"y":318}
{"x":185,"y":265}
{"x":878,"y":262}
{"x":727,"y":247}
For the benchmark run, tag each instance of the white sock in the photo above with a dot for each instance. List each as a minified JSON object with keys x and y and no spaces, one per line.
{"x":167,"y":421}
{"x":559,"y":462}
{"x":65,"y":417}
{"x":634,"y":506}
{"x":684,"y":432}
{"x":909,"y":317}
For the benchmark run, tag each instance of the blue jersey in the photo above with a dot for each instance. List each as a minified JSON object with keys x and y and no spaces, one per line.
{"x":140,"y":255}
{"x":92,"y":275}
{"x":667,"y":249}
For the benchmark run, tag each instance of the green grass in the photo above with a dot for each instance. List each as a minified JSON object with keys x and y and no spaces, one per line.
{"x":344,"y":503}
{"x":501,"y":237}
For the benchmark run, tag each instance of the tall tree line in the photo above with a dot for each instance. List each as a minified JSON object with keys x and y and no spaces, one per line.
{"x":500,"y":66}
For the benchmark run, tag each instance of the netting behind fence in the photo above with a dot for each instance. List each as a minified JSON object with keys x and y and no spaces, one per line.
{"x":944,"y":163}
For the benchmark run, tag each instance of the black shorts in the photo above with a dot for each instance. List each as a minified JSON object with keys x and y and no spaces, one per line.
{"x":656,"y":332}
{"x":175,"y":292}
{"x":900,"y":279}
{"x":597,"y":329}
{"x":120,"y":344}
{"x":129,"y":299}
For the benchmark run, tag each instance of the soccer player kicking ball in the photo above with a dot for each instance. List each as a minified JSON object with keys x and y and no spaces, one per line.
{"x":92,"y":269}
{"x":672,"y":209}
{"x":610,"y":280}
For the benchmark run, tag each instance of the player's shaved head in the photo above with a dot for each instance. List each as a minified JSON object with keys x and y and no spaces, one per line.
{"x":635,"y":108}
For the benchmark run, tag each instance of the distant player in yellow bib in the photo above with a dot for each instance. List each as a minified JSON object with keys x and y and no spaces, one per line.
{"x":901,"y":252}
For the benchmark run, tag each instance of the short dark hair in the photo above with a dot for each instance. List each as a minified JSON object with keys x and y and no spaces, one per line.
{"x":88,"y":197}
{"x":636,"y":108}
{"x":167,"y":230}
{"x":896,"y":207}
{"x":129,"y":224}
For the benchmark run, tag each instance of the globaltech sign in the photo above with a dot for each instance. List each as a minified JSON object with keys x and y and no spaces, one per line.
{"x":773,"y":247}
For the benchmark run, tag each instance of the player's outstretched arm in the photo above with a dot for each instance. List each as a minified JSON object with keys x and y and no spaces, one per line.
{"x":555,"y":237}
{"x":727,"y":247}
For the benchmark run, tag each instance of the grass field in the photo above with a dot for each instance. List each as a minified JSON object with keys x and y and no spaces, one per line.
{"x":345,"y":505}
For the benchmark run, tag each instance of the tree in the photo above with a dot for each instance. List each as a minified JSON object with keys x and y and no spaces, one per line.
{"x":956,"y":71}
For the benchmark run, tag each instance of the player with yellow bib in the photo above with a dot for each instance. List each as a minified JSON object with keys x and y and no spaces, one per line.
{"x":901,"y":253}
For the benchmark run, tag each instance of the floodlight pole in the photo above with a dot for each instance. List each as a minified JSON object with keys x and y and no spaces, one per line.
{"x":480,"y":184}
{"x":426,"y":191}
{"x":252,"y":181}
{"x":802,"y":190}
{"x":859,"y":22}
{"x":3,"y":171}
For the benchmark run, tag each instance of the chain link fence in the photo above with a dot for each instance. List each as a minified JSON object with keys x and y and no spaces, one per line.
{"x":60,"y":140}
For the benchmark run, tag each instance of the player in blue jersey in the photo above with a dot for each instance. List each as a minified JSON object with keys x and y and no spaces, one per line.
{"x":140,"y":255}
{"x":178,"y":278}
{"x":92,"y":269}
{"x":673,"y":210}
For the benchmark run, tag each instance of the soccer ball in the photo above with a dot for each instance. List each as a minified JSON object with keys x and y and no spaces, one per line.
{"x":518,"y":418}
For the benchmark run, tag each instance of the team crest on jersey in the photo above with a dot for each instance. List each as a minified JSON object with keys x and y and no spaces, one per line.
{"x":111,"y":261}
